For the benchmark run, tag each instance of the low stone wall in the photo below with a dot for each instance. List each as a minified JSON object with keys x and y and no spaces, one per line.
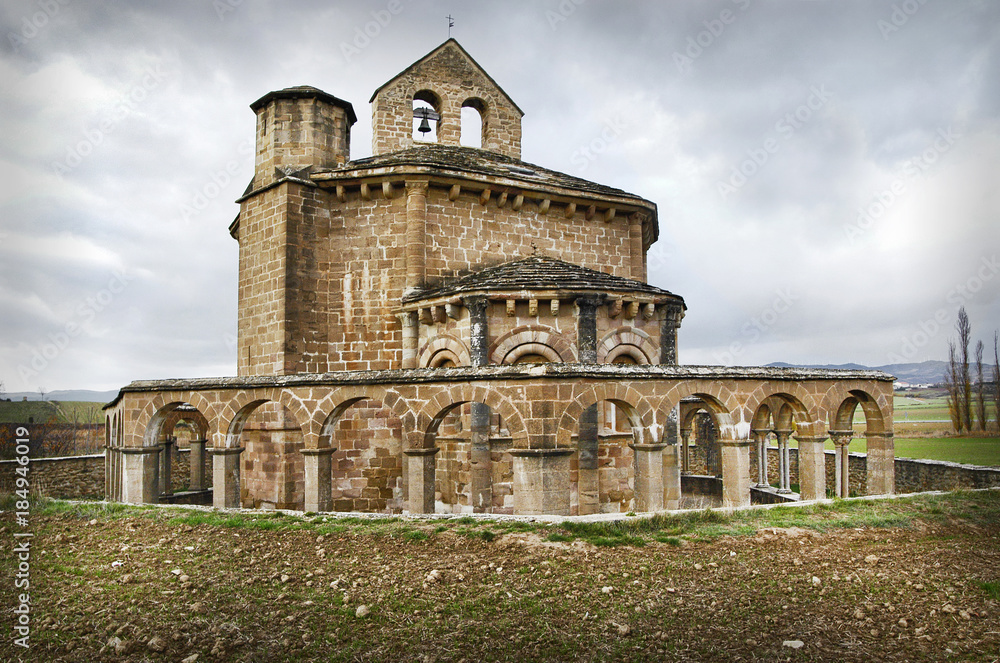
{"x":67,"y":477}
{"x":914,"y":476}
{"x":82,"y":477}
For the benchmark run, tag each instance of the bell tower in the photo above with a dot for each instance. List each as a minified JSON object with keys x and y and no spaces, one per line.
{"x":447,"y":80}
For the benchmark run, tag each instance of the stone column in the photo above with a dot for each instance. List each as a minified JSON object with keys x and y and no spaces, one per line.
{"x":785,"y":482}
{"x":812,"y":467}
{"x":226,"y":477}
{"x":586,"y":329}
{"x":166,"y":466}
{"x":541,"y":481}
{"x":420,"y":467}
{"x":481,"y":477}
{"x":881,"y":464}
{"x":318,"y":473}
{"x":669,"y":324}
{"x":416,"y":234}
{"x":197,"y":463}
{"x":842,"y":472}
{"x":588,"y":479}
{"x":479,"y":330}
{"x":410,"y":322}
{"x":685,"y":451}
{"x":108,"y":473}
{"x":638,"y":270}
{"x":760,"y":437}
{"x":735,"y":473}
{"x":671,"y":477}
{"x":141,"y":481}
{"x":648,"y":476}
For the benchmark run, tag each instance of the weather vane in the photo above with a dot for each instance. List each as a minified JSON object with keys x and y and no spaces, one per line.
{"x":451,"y":24}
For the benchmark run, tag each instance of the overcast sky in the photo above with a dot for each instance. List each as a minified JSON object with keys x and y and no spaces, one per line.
{"x":827,"y":173}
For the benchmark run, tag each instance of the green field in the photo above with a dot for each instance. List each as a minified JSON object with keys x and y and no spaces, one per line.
{"x":41,"y":412}
{"x":972,"y":450}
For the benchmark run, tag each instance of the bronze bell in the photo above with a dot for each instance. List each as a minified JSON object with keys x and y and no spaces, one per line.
{"x":425,"y":126}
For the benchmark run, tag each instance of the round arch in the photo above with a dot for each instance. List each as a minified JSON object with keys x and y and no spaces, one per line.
{"x":843,"y":416}
{"x":444,"y":346}
{"x":627,"y":341}
{"x":722,"y":404}
{"x":447,"y":399}
{"x":635,"y":406}
{"x":558,"y":346}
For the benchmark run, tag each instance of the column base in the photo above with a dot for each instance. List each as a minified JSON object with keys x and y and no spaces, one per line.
{"x":140,"y":484}
{"x":226,"y":478}
{"x":420,"y":467}
{"x":541,"y":481}
{"x":318,"y":473}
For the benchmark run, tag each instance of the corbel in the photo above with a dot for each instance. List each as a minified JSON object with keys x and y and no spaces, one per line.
{"x":615,"y":308}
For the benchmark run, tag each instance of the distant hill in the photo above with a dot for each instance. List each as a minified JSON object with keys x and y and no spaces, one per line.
{"x":84,"y":395}
{"x":925,"y":372}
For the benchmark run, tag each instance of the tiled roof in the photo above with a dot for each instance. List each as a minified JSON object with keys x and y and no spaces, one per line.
{"x":473,"y":160}
{"x":539,"y":273}
{"x":306,"y":92}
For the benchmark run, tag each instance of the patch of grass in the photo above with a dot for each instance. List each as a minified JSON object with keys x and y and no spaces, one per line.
{"x":992,"y":589}
{"x":669,"y":540}
{"x":415,"y":535}
{"x":613,"y":541}
{"x":559,"y":537}
{"x":484,"y":534}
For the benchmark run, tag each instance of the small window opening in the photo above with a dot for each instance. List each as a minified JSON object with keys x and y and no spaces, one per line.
{"x":426,"y":116}
{"x":473,"y":126}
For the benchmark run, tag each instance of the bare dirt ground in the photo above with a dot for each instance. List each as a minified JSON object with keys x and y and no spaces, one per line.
{"x":920,"y":584}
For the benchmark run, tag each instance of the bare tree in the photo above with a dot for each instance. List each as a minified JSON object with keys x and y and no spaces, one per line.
{"x":965,"y":383}
{"x":980,"y":388}
{"x":951,"y":379}
{"x":996,"y":379}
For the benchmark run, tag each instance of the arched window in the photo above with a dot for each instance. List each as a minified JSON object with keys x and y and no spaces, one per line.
{"x":473,"y":123}
{"x":426,"y":116}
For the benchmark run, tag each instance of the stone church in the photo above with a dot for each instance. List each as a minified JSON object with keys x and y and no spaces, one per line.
{"x":446,"y":328}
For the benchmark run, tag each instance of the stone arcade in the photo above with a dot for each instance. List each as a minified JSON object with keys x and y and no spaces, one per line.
{"x":451,"y":329}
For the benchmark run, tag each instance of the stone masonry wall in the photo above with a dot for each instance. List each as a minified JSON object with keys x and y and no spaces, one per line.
{"x":463,"y":235}
{"x":82,"y":477}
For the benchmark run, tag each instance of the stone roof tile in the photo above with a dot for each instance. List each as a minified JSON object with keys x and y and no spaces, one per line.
{"x":473,"y":160}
